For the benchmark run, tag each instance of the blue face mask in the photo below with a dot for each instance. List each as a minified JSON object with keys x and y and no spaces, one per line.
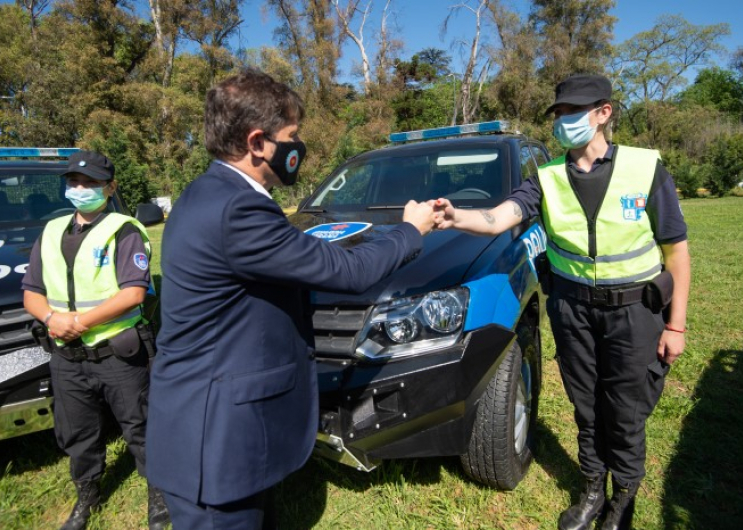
{"x":86,"y":199}
{"x":574,"y":130}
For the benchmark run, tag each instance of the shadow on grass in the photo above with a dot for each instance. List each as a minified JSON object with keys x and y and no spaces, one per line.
{"x":558,"y":464}
{"x":36,"y":451}
{"x":302,"y":497}
{"x":29,"y":453}
{"x":118,"y":469}
{"x":704,"y":483}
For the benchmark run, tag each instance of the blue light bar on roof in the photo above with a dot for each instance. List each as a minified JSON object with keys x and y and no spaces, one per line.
{"x":37,"y":152}
{"x":454,"y":130}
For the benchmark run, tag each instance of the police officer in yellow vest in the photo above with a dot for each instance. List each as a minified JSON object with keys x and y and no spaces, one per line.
{"x":617,"y":254}
{"x":86,"y":281}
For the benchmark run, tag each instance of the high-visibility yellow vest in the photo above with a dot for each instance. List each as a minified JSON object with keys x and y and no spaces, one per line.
{"x":93,"y":273}
{"x":625,"y":249}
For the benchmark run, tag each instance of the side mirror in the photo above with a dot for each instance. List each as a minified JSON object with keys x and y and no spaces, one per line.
{"x":149,"y":214}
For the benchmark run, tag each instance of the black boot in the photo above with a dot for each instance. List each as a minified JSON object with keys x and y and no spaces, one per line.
{"x":88,"y":500}
{"x":157,"y":511}
{"x":621,"y":507}
{"x":580,"y":516}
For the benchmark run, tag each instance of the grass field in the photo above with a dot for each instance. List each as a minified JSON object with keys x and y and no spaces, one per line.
{"x":695,"y":441}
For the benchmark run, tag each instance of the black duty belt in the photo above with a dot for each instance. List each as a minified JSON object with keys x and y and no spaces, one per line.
{"x":84,"y":353}
{"x":600,"y":296}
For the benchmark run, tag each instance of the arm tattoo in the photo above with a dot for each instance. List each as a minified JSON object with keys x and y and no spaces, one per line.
{"x":517,"y":210}
{"x":488,"y":217}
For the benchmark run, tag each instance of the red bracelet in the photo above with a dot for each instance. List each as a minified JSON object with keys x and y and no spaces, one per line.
{"x":669,"y":328}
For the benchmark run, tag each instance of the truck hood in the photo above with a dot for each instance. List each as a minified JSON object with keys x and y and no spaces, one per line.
{"x":437,"y":267}
{"x":15,"y":248}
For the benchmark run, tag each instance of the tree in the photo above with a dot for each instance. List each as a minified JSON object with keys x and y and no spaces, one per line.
{"x":725,"y":161}
{"x":345,"y":16}
{"x":438,"y":59}
{"x":718,"y":88}
{"x":387,"y":48}
{"x":470,"y":98}
{"x":168,"y":17}
{"x":575,"y":36}
{"x":309,"y":36}
{"x":651,"y":65}
{"x":687,"y":175}
{"x":736,"y":62}
{"x":16,"y":67}
{"x":419,"y":70}
{"x":112,"y":139}
{"x":517,"y":90}
{"x":211,"y":23}
{"x":34,"y":8}
{"x":423,"y":108}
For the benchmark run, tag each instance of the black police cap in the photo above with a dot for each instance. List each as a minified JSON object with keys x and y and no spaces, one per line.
{"x":581,"y":90}
{"x":91,"y":164}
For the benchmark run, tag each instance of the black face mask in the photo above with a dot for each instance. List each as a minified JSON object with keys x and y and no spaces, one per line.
{"x":286,"y":160}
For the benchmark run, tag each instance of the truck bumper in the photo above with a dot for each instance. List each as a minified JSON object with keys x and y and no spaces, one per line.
{"x":25,"y":393}
{"x":419,"y":406}
{"x":26,"y":417}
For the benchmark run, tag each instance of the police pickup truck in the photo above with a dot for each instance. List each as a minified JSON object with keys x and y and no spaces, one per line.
{"x":31,"y":193}
{"x":442,"y":357}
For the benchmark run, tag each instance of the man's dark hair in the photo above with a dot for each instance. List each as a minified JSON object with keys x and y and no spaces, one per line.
{"x":243,"y":102}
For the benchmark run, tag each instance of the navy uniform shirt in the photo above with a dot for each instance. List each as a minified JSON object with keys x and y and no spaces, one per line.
{"x":663,"y":209}
{"x":129,"y":242}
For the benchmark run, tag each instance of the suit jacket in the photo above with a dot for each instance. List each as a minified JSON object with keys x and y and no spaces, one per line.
{"x":233,"y":396}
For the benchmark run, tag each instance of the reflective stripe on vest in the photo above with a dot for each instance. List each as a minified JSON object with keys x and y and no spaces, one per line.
{"x":626,"y":251}
{"x":94,"y":272}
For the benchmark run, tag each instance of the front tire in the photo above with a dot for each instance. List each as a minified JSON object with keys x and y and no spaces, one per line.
{"x":500,"y":448}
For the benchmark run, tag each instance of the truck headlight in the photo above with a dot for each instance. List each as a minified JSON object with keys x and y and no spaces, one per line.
{"x":409,"y":326}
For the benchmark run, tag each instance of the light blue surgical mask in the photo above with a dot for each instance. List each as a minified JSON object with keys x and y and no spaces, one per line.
{"x":574,"y":130}
{"x":86,"y":199}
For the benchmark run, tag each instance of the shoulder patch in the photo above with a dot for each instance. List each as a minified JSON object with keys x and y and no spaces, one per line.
{"x":141,"y":261}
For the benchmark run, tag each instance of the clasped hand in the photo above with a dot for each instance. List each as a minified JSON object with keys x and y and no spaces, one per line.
{"x":433,"y":214}
{"x":63,"y":326}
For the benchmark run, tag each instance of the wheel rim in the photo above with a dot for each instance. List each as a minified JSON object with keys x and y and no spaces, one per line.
{"x":522,"y":412}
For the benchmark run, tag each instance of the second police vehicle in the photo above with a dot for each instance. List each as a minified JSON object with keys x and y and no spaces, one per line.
{"x":442,"y":357}
{"x":32,"y":193}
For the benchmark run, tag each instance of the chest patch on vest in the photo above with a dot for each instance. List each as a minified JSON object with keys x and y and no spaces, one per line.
{"x":100,"y":256}
{"x":140,"y":260}
{"x":633,"y":205}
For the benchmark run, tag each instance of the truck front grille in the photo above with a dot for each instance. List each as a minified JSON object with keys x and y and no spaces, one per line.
{"x":15,"y":328}
{"x":337,"y":328}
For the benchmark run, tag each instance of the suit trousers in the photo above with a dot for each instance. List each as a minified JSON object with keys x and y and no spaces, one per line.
{"x":256,"y":512}
{"x":613,"y":377}
{"x":80,"y":390}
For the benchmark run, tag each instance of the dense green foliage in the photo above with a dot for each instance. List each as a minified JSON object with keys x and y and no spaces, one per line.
{"x":129,"y":77}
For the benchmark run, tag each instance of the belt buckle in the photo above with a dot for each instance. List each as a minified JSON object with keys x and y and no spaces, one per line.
{"x":79,"y":354}
{"x":599,"y":296}
{"x":91,"y":354}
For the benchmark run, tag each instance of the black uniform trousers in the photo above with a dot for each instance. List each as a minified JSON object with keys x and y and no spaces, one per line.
{"x":612,"y":375}
{"x":80,"y":389}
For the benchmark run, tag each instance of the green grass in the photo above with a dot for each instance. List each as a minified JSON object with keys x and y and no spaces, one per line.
{"x":695,"y":441}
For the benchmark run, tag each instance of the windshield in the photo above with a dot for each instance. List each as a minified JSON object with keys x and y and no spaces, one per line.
{"x":34,"y":197}
{"x":474,"y":177}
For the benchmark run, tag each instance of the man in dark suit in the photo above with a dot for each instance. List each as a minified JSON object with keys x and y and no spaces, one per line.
{"x":233,"y":398}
